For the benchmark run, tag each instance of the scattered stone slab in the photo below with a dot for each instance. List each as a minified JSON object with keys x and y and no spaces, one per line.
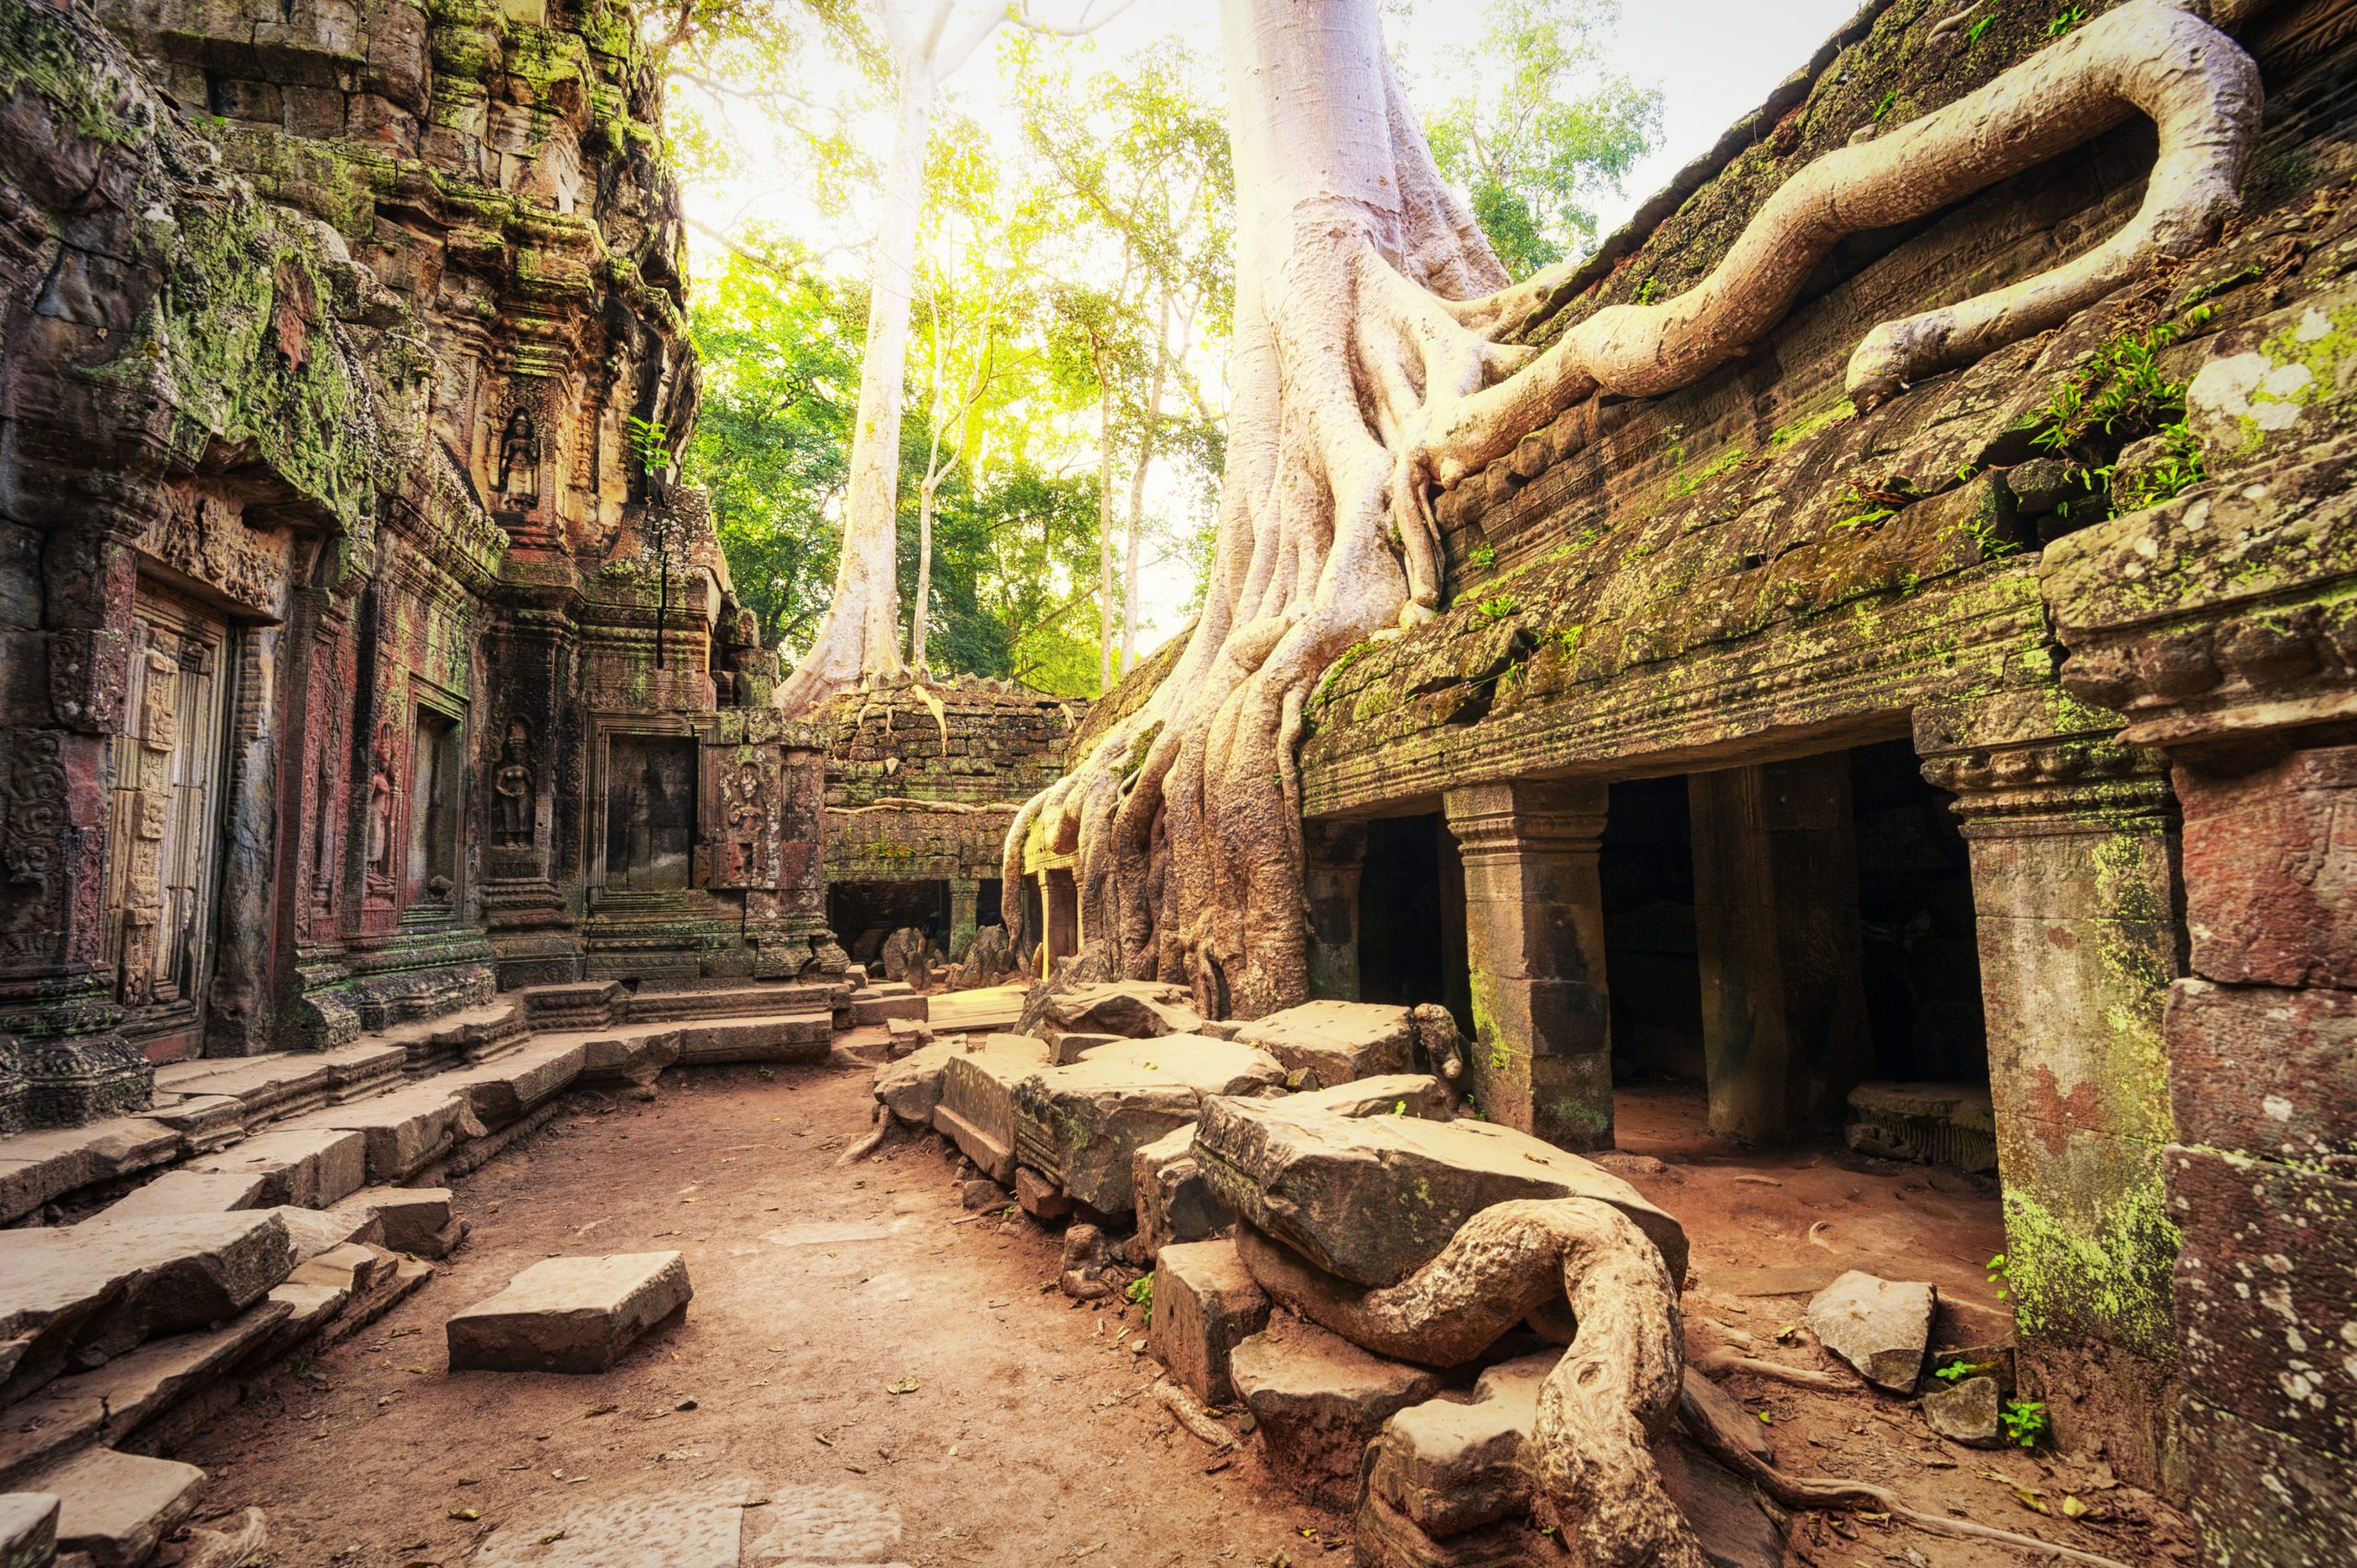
{"x":1372,"y":1199}
{"x":1388,"y":1094}
{"x":1452,"y":1465}
{"x":99,"y":1288}
{"x":1967,"y":1413}
{"x":133,"y":1390}
{"x":1040,"y":1198}
{"x":27,"y":1528}
{"x":1205,"y":1304}
{"x":44,"y":1165}
{"x":905,"y":1036}
{"x":1880,"y":1327}
{"x":205,"y":1122}
{"x":1174,"y":1203}
{"x":691,"y":1529}
{"x":1382,"y":1537}
{"x":635,"y":1056}
{"x":313,"y":1231}
{"x":911,"y":1086}
{"x":185,"y":1191}
{"x":309,"y":1167}
{"x":518,"y":1083}
{"x":1332,"y":1042}
{"x":406,"y":1129}
{"x":1135,"y":1009}
{"x":1080,"y":1124}
{"x":877,"y":1006}
{"x":117,"y":1507}
{"x":782,"y":1037}
{"x":1994,"y":1360}
{"x":1318,"y":1400}
{"x":982,"y":1009}
{"x":976,"y":1110}
{"x":569,"y":1314}
{"x":1067,"y":1049}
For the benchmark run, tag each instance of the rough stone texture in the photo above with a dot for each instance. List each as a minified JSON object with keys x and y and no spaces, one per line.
{"x":1455,"y":1465}
{"x":1333,"y":1042}
{"x":976,"y":1108}
{"x":415,"y":1219}
{"x":1372,"y":1199}
{"x":2265,"y":1500}
{"x":1174,"y":1203}
{"x":1205,"y":1304}
{"x":117,"y":1506}
{"x":1132,"y":1009}
{"x":1966,"y":1412}
{"x":911,"y":1086}
{"x":101,"y":1287}
{"x":2266,"y":1070}
{"x":1318,"y":1400}
{"x":1080,"y":1125}
{"x":1392,"y":1093}
{"x":313,"y":1168}
{"x":189,"y":1192}
{"x":1880,"y":1327}
{"x":569,"y":1314}
{"x":2267,"y":875}
{"x":27,"y":1528}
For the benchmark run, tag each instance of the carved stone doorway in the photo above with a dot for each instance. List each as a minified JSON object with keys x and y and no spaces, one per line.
{"x":168,"y":768}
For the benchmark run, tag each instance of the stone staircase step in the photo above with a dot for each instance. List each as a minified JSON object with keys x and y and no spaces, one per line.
{"x":310,"y":1167}
{"x":783,"y":1037}
{"x":658,"y":1006}
{"x":405,"y":1130}
{"x":186,"y":1191}
{"x":519,"y":1081}
{"x":118,"y":1507}
{"x":42,"y":1167}
{"x":101,"y":1288}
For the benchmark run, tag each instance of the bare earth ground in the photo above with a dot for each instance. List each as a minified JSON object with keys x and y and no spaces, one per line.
{"x":1022,"y":1432}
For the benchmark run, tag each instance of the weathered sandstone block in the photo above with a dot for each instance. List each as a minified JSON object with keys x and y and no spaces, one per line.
{"x":569,"y":1314}
{"x":1205,"y":1304}
{"x":1318,"y":1399}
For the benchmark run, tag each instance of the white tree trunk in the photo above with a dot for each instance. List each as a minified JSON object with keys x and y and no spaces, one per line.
{"x":1138,"y":471}
{"x":859,"y":637}
{"x":1104,"y":530}
{"x":920,"y":611}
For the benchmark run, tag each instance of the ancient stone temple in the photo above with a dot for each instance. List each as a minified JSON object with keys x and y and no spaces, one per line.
{"x":361,"y":656}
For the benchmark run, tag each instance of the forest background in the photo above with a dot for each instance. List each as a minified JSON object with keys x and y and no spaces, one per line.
{"x":1061,"y":444}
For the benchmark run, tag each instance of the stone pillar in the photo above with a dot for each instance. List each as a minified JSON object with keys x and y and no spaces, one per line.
{"x":963,"y":891}
{"x":1333,"y":855}
{"x":2074,"y":845}
{"x":2263,"y":1176}
{"x":1534,"y":938}
{"x":1784,"y":1034}
{"x":1063,"y":901}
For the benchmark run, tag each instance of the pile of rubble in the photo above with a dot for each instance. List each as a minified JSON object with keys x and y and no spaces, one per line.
{"x":1320,"y":1144}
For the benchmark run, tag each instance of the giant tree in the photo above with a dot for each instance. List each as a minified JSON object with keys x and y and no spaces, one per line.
{"x":1372,"y":366}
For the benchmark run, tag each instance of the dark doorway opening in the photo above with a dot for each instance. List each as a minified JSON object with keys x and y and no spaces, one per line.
{"x":650,"y":813}
{"x":1411,"y":918}
{"x":863,"y":913}
{"x":1647,"y":868}
{"x":989,"y":894}
{"x":1920,"y":950}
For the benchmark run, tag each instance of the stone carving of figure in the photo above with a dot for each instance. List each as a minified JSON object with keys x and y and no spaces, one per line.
{"x":381,"y":811}
{"x":519,"y":459}
{"x":512,"y":784}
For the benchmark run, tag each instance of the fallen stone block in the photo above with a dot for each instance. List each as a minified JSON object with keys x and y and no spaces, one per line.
{"x":1382,"y":1537}
{"x":1967,"y":1413}
{"x":1067,"y":1049}
{"x":118,"y":1507}
{"x":1174,"y":1203}
{"x":313,"y":1231}
{"x":1389,"y":1094}
{"x":185,"y":1191}
{"x":876,"y":1005}
{"x":1452,"y":1466}
{"x":1133,"y":1009}
{"x":95,"y":1290}
{"x":1205,"y":1304}
{"x":137,"y":1387}
{"x":1880,"y":1327}
{"x":1038,"y":1197}
{"x":635,"y":1056}
{"x":1374,"y":1198}
{"x":44,"y":1165}
{"x":1725,"y":1512}
{"x":406,"y":1129}
{"x":910,"y":1087}
{"x":1318,"y":1400}
{"x":977,"y":1106}
{"x":1080,"y":1125}
{"x":569,"y":1314}
{"x":1332,"y":1042}
{"x":27,"y":1528}
{"x":205,"y":1122}
{"x":417,"y":1220}
{"x":904,"y":1036}
{"x":309,"y":1168}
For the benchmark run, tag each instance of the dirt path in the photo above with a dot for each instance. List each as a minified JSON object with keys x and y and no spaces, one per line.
{"x":1023,"y":1439}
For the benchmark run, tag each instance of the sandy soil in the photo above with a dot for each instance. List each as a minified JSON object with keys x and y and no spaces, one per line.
{"x":1021,"y":1432}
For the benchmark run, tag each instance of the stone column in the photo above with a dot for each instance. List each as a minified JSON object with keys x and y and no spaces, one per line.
{"x":2263,"y":1176}
{"x":1534,"y":938}
{"x":1776,"y":929}
{"x":963,"y":891}
{"x":2074,"y":845}
{"x":1334,"y":853}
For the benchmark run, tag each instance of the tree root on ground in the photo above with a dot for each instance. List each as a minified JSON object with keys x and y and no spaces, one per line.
{"x":1599,"y":1410}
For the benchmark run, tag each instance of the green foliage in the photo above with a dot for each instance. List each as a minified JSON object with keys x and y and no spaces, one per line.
{"x":2065,"y":20}
{"x":1497,"y":606}
{"x":2121,"y":395}
{"x":1866,"y":508}
{"x":1485,"y":558}
{"x":2026,"y":1422}
{"x":1540,"y":129}
{"x":1979,"y":30}
{"x":2179,"y":470}
{"x":1999,"y":1275}
{"x":1140,"y":1294}
{"x":1649,"y":291}
{"x":1954,"y":1372}
{"x":650,"y":444}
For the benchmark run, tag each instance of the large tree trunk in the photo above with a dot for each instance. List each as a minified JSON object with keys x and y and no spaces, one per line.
{"x":1138,"y":471}
{"x":859,"y":637}
{"x":1103,"y":528}
{"x":1368,"y":371}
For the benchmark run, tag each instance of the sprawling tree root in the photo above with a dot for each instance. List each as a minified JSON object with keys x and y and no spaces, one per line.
{"x":1600,"y":1411}
{"x":1368,"y":371}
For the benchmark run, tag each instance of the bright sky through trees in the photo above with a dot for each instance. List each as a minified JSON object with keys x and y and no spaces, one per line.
{"x":1709,"y":59}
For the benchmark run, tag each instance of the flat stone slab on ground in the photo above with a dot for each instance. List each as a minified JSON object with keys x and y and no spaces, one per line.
{"x":1318,"y":1399}
{"x":1137,"y":1009}
{"x":1967,"y":1413}
{"x":1174,"y":1203}
{"x":782,"y":1037}
{"x":1452,"y":1464}
{"x":976,"y":1110}
{"x":1080,"y":1125}
{"x":1880,"y":1327}
{"x":185,"y":1191}
{"x":50,"y":1161}
{"x":1205,"y":1304}
{"x":1332,"y":1042}
{"x":1374,"y":1198}
{"x":118,"y":1506}
{"x":415,"y":1219}
{"x":314,"y":1167}
{"x":1387,"y":1094}
{"x":569,"y":1314}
